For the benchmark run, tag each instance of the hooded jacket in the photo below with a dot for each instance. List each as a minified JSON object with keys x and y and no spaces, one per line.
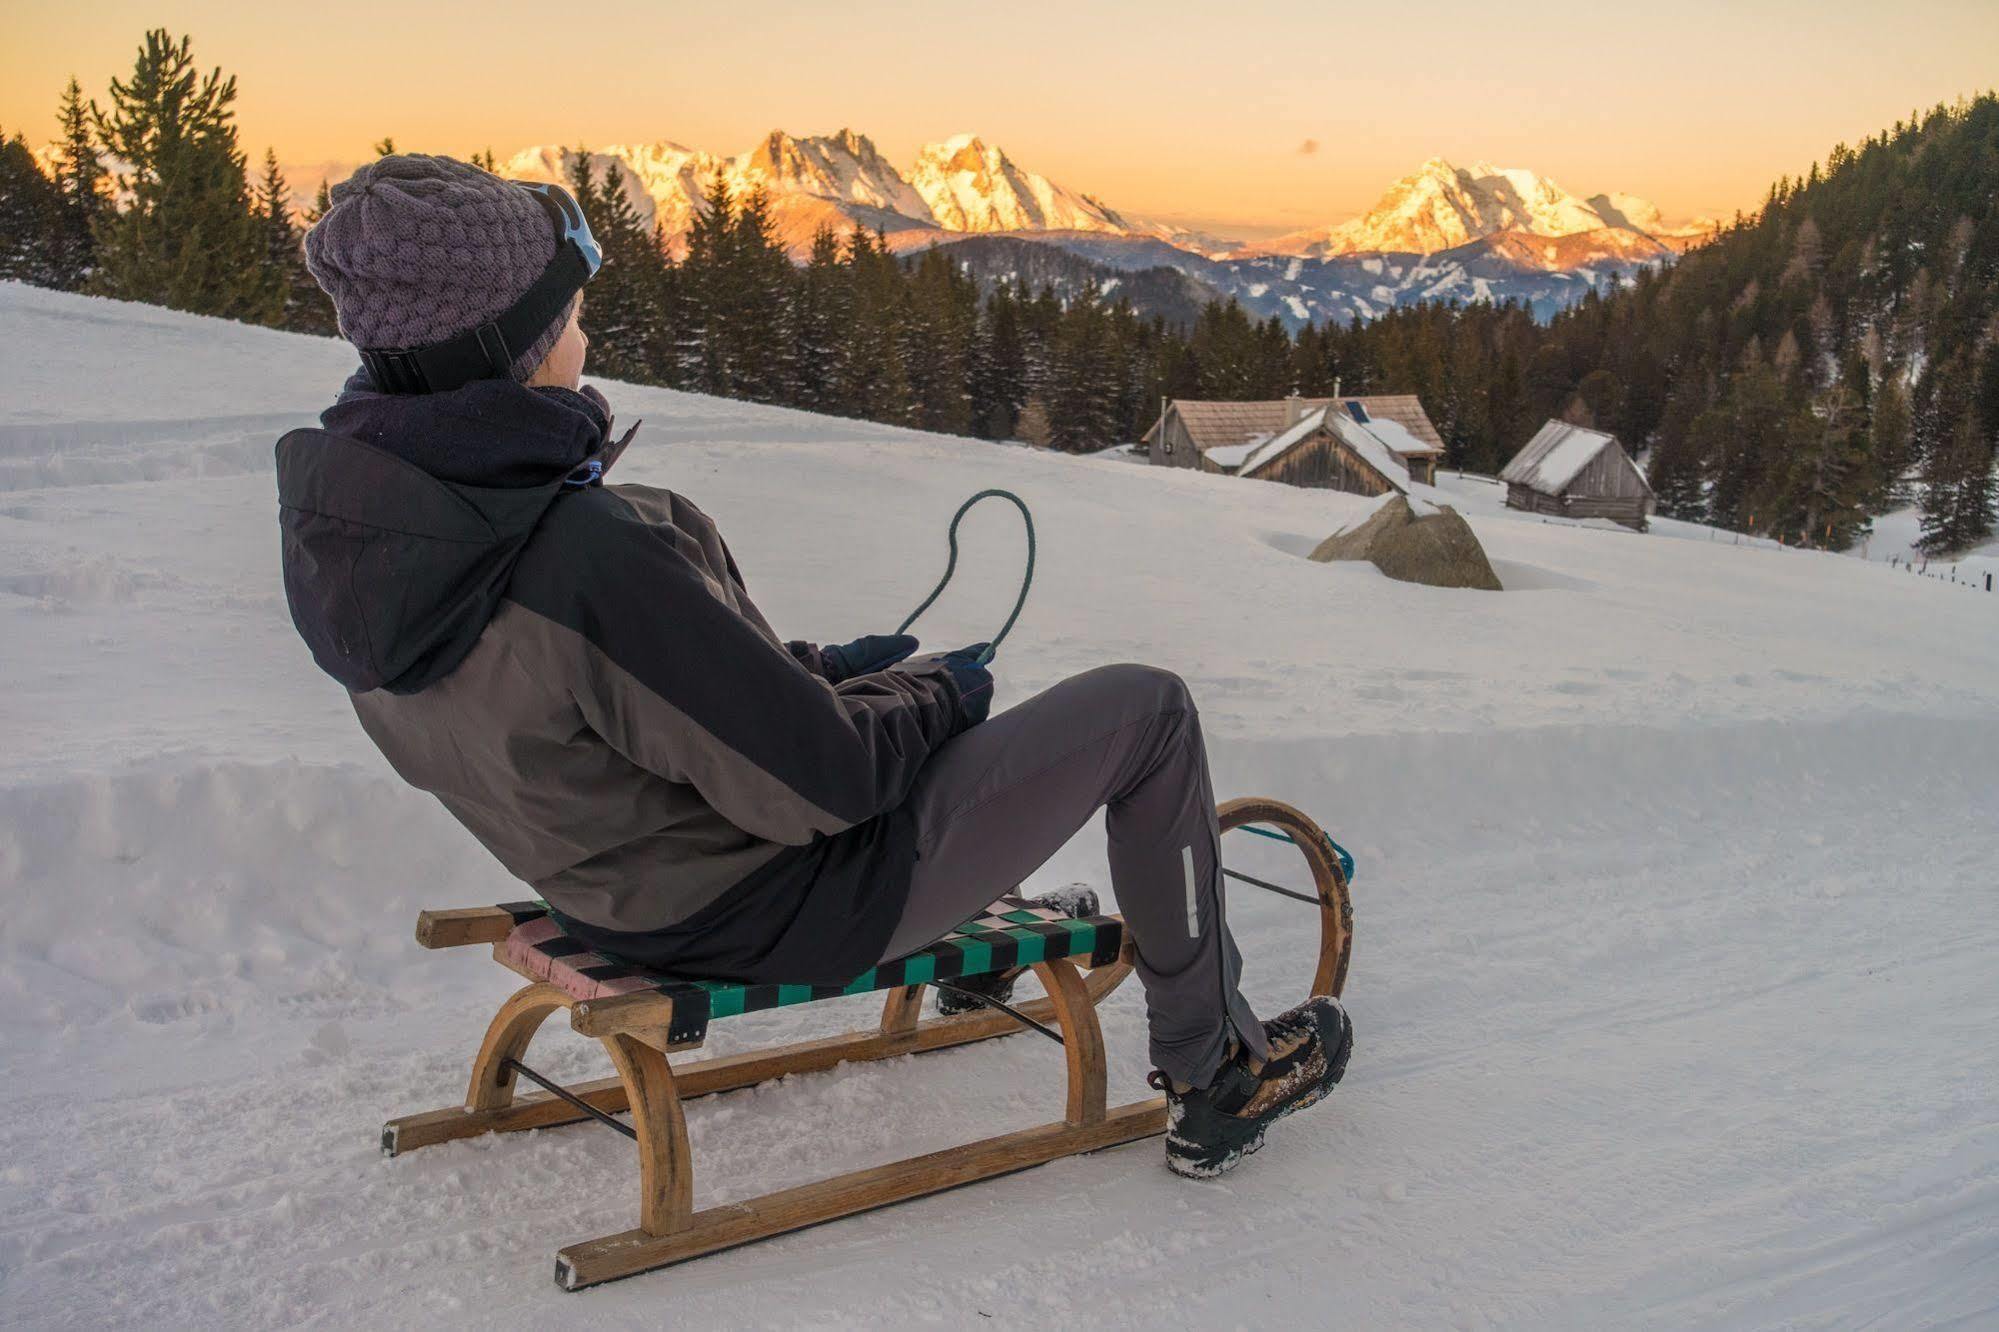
{"x":578,"y":674}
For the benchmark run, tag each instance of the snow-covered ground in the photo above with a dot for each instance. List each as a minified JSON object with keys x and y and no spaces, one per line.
{"x":1673,"y":981}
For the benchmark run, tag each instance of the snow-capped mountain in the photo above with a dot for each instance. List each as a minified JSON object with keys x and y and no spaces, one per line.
{"x":1442,"y":233}
{"x":1441,"y":206}
{"x":971,"y":186}
{"x":840,"y":180}
{"x":663,"y":181}
{"x":844,"y":167}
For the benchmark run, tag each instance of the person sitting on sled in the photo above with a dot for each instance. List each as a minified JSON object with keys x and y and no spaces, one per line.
{"x":576,"y":670}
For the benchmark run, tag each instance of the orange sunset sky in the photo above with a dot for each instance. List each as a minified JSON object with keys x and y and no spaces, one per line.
{"x":1246,"y":117}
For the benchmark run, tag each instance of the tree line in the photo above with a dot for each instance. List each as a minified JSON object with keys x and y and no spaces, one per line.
{"x":1831,"y":357}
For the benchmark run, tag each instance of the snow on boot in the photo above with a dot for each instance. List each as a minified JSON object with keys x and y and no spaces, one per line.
{"x":1210,"y":1129}
{"x":1075,"y":901}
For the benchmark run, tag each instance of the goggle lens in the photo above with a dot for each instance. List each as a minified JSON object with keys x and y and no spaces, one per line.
{"x":570,"y":223}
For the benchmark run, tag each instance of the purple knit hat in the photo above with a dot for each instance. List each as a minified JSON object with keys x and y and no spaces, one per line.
{"x":417,"y":249}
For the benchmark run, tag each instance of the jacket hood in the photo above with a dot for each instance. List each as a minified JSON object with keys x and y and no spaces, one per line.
{"x":403,"y":517}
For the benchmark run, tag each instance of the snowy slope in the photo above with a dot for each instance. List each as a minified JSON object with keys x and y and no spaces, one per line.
{"x":1672,"y":980}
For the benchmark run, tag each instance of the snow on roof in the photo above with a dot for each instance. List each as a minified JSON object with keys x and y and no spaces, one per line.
{"x":1396,"y":436}
{"x":1373,"y":450}
{"x":1555,"y":456}
{"x":1361,"y":439}
{"x":1406,"y":410}
{"x":1231,"y":455}
{"x":1228,"y":424}
{"x":1263,"y":451}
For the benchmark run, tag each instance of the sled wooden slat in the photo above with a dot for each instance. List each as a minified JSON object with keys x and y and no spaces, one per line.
{"x":733,"y":1224}
{"x":460,"y":926}
{"x":635,"y":1014}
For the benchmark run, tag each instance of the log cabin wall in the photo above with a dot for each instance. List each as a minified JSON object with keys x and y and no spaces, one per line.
{"x":1174,"y":447}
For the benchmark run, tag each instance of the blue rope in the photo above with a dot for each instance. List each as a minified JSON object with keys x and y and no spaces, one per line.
{"x":951,"y":567}
{"x":1346,"y":857}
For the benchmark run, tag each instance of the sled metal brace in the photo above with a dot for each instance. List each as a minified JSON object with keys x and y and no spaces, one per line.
{"x":1006,"y":1008}
{"x":561,"y":1092}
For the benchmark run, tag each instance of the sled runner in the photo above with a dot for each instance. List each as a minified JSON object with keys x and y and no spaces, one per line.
{"x":641,"y":1016}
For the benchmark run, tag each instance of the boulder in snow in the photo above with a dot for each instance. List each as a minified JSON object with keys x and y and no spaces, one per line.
{"x":1435,"y":546}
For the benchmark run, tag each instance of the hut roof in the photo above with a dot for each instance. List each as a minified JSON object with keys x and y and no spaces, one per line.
{"x":1406,"y":411}
{"x":1362,"y":440}
{"x":1219,"y":425}
{"x":1556,"y":456}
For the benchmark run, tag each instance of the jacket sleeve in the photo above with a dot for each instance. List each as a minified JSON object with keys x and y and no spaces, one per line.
{"x":687,"y":686}
{"x":809,"y":655}
{"x":721,"y":562}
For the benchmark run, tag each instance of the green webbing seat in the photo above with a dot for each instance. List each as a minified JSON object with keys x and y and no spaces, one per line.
{"x":1009,"y":933}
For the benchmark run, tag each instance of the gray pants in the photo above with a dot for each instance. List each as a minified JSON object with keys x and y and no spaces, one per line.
{"x":999,"y":800}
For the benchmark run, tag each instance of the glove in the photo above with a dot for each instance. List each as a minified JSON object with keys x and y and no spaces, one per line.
{"x":865,"y":655}
{"x":975,"y":683}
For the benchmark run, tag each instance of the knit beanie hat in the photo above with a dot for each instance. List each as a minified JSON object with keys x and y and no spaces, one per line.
{"x":417,"y":249}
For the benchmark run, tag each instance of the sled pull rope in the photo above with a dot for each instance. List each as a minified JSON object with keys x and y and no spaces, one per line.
{"x":1344,"y":856}
{"x":1340,"y":852}
{"x":951,"y":567}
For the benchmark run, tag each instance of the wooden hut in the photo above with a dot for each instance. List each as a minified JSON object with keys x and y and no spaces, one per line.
{"x":1576,"y":473}
{"x":1327,"y":448}
{"x":1189,"y":428}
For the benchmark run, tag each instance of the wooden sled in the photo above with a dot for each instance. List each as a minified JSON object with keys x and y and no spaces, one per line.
{"x":640,"y":1017}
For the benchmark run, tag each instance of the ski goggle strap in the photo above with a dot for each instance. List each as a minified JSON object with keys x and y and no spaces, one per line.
{"x":488,"y":351}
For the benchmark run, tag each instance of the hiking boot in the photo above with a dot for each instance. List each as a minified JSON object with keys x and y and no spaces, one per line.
{"x":1075,"y":902}
{"x":1210,"y":1129}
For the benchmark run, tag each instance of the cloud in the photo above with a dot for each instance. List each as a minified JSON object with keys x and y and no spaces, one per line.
{"x":1307,"y":148}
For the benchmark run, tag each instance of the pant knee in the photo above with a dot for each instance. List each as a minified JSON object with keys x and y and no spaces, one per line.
{"x":1159,"y":690}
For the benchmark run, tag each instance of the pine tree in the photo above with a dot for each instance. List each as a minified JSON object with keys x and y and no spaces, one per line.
{"x":1889,"y":443}
{"x":1958,"y":489}
{"x":1958,"y":481}
{"x":937,"y":337}
{"x":304,"y":306}
{"x":30,"y":217}
{"x":1677,"y":458}
{"x":701,"y":359}
{"x":322,"y":203}
{"x":872,"y":381}
{"x":759,"y":275}
{"x":1823,"y":499}
{"x":188,"y":238}
{"x":1080,"y":408}
{"x":81,"y":178}
{"x":1756,"y":428}
{"x":998,"y":386}
{"x":623,"y":312}
{"x":822,"y":312}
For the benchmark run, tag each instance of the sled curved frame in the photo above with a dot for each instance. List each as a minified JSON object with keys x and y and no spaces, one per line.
{"x":634,"y":1032}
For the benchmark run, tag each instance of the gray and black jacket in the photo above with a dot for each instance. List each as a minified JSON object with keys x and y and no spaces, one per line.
{"x":577,"y":672}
